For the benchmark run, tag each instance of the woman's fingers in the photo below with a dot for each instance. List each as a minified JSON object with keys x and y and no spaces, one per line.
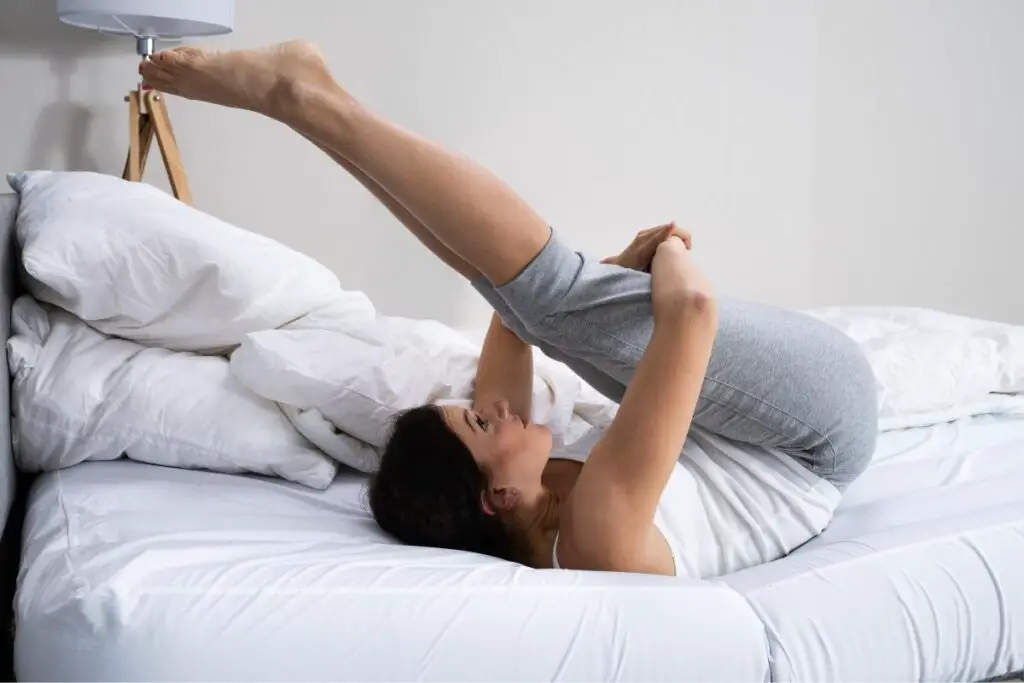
{"x":651,"y":231}
{"x":684,"y":235}
{"x":646,"y":249}
{"x":640,"y":252}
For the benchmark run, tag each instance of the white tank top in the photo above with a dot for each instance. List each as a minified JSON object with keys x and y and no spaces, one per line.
{"x":730,"y":506}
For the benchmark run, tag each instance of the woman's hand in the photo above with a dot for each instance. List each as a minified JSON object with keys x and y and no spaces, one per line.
{"x":640,"y":252}
{"x":677,"y":285}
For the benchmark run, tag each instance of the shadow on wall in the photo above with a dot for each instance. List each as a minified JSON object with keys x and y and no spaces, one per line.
{"x":29,"y":29}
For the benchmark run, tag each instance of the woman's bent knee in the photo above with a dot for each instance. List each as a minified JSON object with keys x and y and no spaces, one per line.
{"x":854,"y":429}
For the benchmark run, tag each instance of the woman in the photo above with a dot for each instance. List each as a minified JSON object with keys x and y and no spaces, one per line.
{"x":784,"y":406}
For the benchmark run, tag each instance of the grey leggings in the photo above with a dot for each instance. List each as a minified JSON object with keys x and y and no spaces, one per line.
{"x":777,"y":378}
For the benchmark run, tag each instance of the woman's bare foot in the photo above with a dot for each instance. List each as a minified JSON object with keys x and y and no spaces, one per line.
{"x":270,"y":80}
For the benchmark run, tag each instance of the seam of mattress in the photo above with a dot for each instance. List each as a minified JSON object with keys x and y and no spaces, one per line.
{"x":764,"y":626}
{"x":961,"y":536}
{"x":428,"y":591}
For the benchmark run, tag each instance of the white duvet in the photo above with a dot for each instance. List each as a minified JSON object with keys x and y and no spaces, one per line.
{"x":933,"y":367}
{"x":116,"y":259}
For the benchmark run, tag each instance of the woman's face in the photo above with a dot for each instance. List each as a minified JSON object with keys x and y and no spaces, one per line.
{"x":510,"y":451}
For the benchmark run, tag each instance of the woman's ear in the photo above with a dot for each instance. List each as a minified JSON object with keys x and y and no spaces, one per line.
{"x":497,"y":500}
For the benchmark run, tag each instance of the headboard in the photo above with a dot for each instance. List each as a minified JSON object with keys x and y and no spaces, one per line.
{"x":8,"y":209}
{"x":11,"y":485}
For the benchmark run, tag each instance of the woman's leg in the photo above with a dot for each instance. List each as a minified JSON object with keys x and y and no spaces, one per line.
{"x":411,"y":223}
{"x":427,"y":238}
{"x":468,"y":209}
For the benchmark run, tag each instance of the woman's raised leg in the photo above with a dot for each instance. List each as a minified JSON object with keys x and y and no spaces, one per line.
{"x":468,"y":209}
{"x":402,"y":214}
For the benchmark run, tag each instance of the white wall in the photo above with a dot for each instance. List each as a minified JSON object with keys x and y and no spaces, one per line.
{"x":855,"y":152}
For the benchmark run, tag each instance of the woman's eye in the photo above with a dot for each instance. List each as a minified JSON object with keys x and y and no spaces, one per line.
{"x":482,"y":423}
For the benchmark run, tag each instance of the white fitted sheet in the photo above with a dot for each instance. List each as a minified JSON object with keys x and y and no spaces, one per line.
{"x":133,"y":571}
{"x":921,"y":575}
{"x":136,"y":572}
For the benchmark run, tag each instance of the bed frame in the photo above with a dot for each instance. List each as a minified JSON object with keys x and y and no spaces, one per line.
{"x":12,"y":485}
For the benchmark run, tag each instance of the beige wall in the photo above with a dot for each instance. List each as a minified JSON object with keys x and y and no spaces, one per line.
{"x":825,"y":152}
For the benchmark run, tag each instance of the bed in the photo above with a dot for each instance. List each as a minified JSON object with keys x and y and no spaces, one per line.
{"x":132,"y":571}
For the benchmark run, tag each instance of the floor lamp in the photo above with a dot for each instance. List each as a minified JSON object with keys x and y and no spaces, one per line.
{"x":149,"y":21}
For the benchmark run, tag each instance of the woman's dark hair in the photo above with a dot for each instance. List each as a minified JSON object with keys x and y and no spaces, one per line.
{"x":427,"y":490}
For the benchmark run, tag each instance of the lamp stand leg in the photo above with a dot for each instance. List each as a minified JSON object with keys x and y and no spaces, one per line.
{"x":132,"y":167}
{"x":147,"y":114}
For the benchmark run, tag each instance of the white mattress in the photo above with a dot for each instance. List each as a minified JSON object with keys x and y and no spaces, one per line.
{"x":132,"y":571}
{"x":136,"y":572}
{"x":920,"y":577}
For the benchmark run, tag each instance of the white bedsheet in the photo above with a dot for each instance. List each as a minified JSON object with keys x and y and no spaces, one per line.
{"x":136,"y":572}
{"x":920,"y":577}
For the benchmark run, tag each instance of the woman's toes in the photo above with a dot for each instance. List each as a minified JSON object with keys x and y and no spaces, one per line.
{"x":182,"y":55}
{"x":170,"y":58}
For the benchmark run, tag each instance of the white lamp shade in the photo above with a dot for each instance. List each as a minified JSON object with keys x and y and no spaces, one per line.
{"x":156,"y":18}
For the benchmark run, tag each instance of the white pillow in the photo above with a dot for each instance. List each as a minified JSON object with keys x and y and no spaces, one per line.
{"x":78,"y":395}
{"x":136,"y":263}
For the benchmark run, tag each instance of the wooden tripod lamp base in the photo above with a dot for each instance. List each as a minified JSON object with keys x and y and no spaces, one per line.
{"x":147,"y":113}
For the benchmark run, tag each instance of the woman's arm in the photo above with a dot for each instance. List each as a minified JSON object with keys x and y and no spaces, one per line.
{"x":505,"y":371}
{"x":613,"y":505}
